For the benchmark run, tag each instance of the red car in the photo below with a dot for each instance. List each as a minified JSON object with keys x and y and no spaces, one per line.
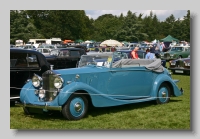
{"x":180,"y":66}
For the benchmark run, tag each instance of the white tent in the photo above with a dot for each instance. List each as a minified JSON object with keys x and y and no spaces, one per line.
{"x":111,"y":43}
{"x":154,"y":41}
{"x":87,"y":41}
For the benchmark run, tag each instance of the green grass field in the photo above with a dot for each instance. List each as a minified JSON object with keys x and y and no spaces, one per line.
{"x":173,"y":115}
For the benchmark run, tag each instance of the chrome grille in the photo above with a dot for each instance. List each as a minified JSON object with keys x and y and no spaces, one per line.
{"x":48,"y":79}
{"x":167,"y":55}
{"x":179,"y":63}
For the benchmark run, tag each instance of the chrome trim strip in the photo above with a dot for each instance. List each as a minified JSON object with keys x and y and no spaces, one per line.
{"x":59,"y":108}
{"x":14,"y":97}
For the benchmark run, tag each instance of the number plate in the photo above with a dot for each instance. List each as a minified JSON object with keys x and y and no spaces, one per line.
{"x":178,"y":71}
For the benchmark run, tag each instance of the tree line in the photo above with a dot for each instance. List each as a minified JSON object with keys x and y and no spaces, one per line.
{"x":75,"y":25}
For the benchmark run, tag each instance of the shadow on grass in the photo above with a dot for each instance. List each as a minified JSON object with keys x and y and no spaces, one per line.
{"x":94,"y":111}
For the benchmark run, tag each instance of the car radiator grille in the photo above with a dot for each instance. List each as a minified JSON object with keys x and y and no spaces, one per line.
{"x":48,"y":86}
{"x":167,"y":56}
{"x":179,"y":63}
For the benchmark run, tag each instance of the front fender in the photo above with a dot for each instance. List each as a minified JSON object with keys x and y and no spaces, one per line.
{"x":165,"y":78}
{"x":66,"y":92}
{"x":99,"y":99}
{"x":27,"y":88}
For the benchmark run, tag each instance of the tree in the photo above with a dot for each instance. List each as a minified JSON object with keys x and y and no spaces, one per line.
{"x":21,"y":27}
{"x":131,"y":29}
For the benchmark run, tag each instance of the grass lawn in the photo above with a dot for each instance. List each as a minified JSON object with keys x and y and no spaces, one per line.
{"x":173,"y":115}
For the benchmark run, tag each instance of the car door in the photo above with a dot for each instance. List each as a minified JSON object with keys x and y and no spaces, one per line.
{"x":74,"y":57}
{"x":186,"y":52}
{"x":62,"y":60}
{"x":130,"y":83}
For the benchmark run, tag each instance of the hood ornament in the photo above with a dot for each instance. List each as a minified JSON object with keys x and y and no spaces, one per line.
{"x":51,"y":67}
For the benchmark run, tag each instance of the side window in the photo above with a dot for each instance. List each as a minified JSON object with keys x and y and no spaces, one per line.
{"x":64,"y":53}
{"x":187,"y":49}
{"x":32,"y":60}
{"x":45,"y":51}
{"x":75,"y":53}
{"x":18,"y":60}
{"x":39,"y":50}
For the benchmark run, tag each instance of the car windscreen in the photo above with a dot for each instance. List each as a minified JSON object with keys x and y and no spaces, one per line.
{"x":97,"y":60}
{"x":54,"y":52}
{"x":102,"y":60}
{"x":177,"y":49}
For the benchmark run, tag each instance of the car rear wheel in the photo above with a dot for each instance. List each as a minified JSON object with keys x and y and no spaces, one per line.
{"x":163,"y":95}
{"x":76,"y":107}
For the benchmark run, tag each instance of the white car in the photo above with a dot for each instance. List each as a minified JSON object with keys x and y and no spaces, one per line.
{"x":44,"y":51}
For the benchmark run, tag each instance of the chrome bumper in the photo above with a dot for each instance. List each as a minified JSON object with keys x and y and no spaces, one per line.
{"x":58,"y":108}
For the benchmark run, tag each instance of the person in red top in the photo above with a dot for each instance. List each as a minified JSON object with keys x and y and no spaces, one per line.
{"x":134,"y":53}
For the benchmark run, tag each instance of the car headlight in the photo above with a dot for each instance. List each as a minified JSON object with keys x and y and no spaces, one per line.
{"x":187,"y":64}
{"x":173,"y":63}
{"x":42,"y":93}
{"x":36,"y":80}
{"x":58,"y":82}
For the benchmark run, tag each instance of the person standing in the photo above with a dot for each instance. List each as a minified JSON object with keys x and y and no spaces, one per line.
{"x":134,"y":53}
{"x":149,"y":54}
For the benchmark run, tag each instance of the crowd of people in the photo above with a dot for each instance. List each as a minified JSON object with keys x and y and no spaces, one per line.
{"x":151,"y":53}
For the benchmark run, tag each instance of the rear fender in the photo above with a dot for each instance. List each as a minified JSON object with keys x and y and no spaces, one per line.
{"x":165,"y":78}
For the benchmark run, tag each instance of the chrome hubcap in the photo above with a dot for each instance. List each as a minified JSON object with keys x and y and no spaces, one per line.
{"x":163,"y":94}
{"x":77,"y":107}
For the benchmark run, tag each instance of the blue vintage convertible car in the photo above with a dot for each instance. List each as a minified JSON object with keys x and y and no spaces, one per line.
{"x":101,"y":80}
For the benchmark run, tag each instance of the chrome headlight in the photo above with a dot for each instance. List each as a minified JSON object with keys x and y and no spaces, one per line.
{"x":58,"y":82}
{"x":173,"y":63}
{"x":36,"y":80}
{"x":187,"y":64}
{"x":41,"y":93}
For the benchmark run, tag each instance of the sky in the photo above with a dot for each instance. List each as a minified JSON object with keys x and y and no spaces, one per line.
{"x":161,"y":14}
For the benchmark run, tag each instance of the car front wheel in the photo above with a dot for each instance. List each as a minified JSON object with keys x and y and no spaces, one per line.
{"x":76,"y":107}
{"x":163,"y":95}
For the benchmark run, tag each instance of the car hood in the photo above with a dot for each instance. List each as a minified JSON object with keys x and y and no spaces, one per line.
{"x":171,"y":52}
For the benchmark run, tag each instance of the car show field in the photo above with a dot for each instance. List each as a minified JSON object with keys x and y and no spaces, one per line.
{"x":127,"y":72}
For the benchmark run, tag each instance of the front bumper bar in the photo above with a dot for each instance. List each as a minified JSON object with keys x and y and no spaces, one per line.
{"x":46,"y":107}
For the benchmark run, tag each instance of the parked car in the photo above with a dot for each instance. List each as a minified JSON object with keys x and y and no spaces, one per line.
{"x":44,"y":51}
{"x":12,"y":45}
{"x":29,"y":47}
{"x":49,"y":46}
{"x":180,"y":66}
{"x":23,"y":65}
{"x":63,"y":58}
{"x":176,"y":52}
{"x":99,"y":84}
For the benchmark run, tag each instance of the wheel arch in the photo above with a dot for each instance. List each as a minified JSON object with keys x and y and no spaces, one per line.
{"x":170,"y":87}
{"x":159,"y":81}
{"x":85,"y":93}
